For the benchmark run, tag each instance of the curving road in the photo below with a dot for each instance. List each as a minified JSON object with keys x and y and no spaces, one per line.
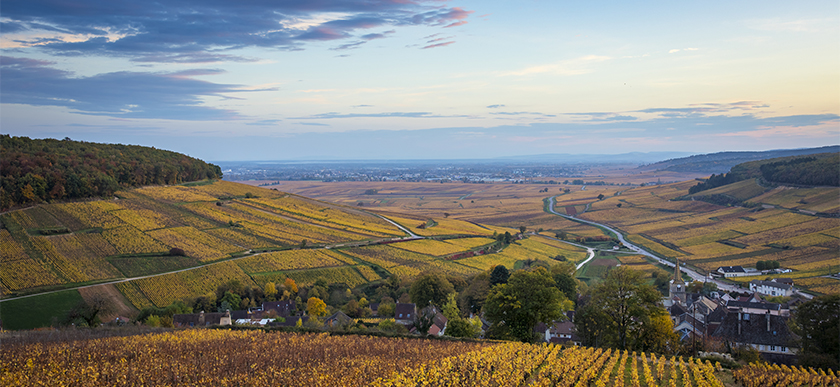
{"x":412,"y":236}
{"x":691,"y":273}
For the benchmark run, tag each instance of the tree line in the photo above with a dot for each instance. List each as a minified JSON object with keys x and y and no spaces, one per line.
{"x":39,"y":170}
{"x":816,"y":170}
{"x":820,"y":171}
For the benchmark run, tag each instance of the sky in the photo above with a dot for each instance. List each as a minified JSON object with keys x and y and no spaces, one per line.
{"x":413,"y":79}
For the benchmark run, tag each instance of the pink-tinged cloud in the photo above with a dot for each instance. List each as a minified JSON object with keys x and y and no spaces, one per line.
{"x":438,"y":45}
{"x":460,"y":23}
{"x":455,"y":15}
{"x":439,"y":39}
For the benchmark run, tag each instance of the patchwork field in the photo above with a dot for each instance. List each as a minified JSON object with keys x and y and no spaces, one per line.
{"x":784,"y":224}
{"x":505,"y":206}
{"x":707,"y":235}
{"x":134,"y":234}
{"x":227,"y":231}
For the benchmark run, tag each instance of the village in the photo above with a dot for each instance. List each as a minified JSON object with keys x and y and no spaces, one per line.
{"x":709,"y":322}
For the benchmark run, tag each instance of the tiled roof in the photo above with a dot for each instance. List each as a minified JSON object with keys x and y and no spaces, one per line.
{"x":755,"y":330}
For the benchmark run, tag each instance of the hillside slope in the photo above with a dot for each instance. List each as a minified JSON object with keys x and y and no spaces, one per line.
{"x":780,"y":224}
{"x":34,"y":171}
{"x":724,"y":161}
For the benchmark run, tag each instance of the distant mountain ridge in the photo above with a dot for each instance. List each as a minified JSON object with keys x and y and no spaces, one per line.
{"x":630,"y":157}
{"x":721,"y":162}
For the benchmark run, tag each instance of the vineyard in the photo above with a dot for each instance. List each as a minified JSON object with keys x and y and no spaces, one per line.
{"x":707,"y":235}
{"x":759,"y":375}
{"x":67,"y":243}
{"x":223,"y":357}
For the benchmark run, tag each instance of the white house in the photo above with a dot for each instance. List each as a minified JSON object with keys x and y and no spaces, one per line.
{"x":771,"y":288}
{"x":736,"y":271}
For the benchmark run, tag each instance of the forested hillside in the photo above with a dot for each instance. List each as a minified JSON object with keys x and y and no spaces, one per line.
{"x":34,"y":171}
{"x":815,"y":170}
{"x":723,"y":161}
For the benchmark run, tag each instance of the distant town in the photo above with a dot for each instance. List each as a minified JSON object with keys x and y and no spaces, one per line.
{"x":417,"y":171}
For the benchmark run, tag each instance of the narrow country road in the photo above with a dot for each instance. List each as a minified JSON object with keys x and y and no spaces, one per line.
{"x":691,"y":273}
{"x":412,"y":236}
{"x":590,"y":250}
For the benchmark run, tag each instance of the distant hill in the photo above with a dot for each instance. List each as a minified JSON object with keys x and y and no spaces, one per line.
{"x":811,"y":171}
{"x":34,"y":171}
{"x":724,"y":161}
{"x":565,"y":158}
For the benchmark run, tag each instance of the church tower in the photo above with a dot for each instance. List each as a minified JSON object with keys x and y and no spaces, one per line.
{"x":677,"y":287}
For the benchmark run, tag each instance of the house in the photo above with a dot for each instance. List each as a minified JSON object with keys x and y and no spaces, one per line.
{"x":201,"y":319}
{"x":750,"y":298}
{"x":731,"y":271}
{"x":786,"y":281}
{"x":689,"y":327}
{"x":405,"y":313}
{"x":282,"y":308}
{"x":337,"y":320}
{"x":767,"y":333}
{"x":439,"y":323}
{"x":771,"y":288}
{"x":702,"y":306}
{"x":757,"y":307}
{"x":255,"y":322}
{"x":562,"y":332}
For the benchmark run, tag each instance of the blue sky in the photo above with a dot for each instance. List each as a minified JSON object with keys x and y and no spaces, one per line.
{"x":329,"y":79}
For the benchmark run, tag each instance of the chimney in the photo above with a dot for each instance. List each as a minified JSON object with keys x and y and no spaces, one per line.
{"x":768,"y":320}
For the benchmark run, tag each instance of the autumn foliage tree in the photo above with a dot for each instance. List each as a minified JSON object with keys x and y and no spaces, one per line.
{"x":316,"y":307}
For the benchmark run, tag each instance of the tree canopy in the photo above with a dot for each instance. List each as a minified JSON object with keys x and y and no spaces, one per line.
{"x":430,"y":288}
{"x":33,"y":170}
{"x":499,"y":275}
{"x":617,"y":310}
{"x":818,"y":324}
{"x":529,"y":297}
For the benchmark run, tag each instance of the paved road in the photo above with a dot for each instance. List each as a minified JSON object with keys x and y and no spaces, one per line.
{"x":693,"y":274}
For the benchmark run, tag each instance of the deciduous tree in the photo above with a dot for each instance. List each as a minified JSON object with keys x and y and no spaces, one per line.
{"x":430,"y":288}
{"x":270,"y":291}
{"x":316,"y":307}
{"x":499,"y":275}
{"x":625,"y":302}
{"x":818,"y":325}
{"x":529,"y":297}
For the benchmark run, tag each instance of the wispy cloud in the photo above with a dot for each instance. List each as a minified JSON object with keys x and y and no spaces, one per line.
{"x":333,"y":115}
{"x":172,"y":95}
{"x":576,"y":66}
{"x":438,"y":45}
{"x":707,"y":108}
{"x":676,"y":50}
{"x":195,"y":31}
{"x":604,"y":117}
{"x":364,"y":39}
{"x":264,"y":123}
{"x":523,"y":114}
{"x":794,"y":25}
